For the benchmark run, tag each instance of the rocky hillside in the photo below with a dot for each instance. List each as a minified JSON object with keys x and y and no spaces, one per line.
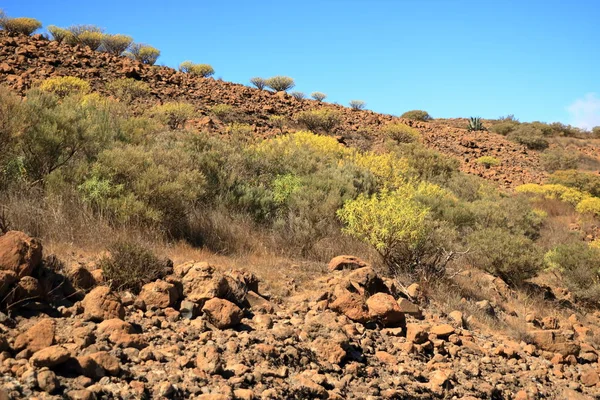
{"x":205,"y":332}
{"x":24,"y":61}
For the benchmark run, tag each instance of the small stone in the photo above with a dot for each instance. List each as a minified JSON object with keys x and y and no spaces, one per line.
{"x":50,"y":357}
{"x":46,"y":380}
{"x":222,"y":313}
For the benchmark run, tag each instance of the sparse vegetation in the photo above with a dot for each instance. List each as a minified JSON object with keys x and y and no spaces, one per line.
{"x":400,"y":133}
{"x":475,"y":124}
{"x":203,"y":70}
{"x":280,"y":83}
{"x":91,"y":39}
{"x":174,"y":115}
{"x":298,"y":95}
{"x":317,"y":120}
{"x":488,"y":161}
{"x":116,"y":44}
{"x":278,"y":121}
{"x":357,"y":104}
{"x":128,"y":89}
{"x":559,"y":159}
{"x":23,"y":26}
{"x":318,"y":96}
{"x":417,"y":115}
{"x":65,"y":86}
{"x":259,"y":83}
{"x":143,"y":53}
{"x":225,"y":112}
{"x":58,"y":34}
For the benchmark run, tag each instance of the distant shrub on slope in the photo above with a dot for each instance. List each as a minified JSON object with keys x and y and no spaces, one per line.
{"x":417,"y":115}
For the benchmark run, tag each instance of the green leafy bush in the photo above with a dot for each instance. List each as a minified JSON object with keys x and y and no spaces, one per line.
{"x":203,"y":70}
{"x":298,"y":95}
{"x":65,"y":86}
{"x":128,"y":89}
{"x":401,"y":133}
{"x":143,"y":53}
{"x":58,"y":34}
{"x":316,"y":120}
{"x":357,"y":104}
{"x":174,"y":114}
{"x":505,"y":127}
{"x":280,"y":83}
{"x":530,"y":136}
{"x":512,"y":257}
{"x":428,"y":164}
{"x":318,"y":96}
{"x":131,"y":265}
{"x":23,"y":26}
{"x":578,"y":263}
{"x":260,"y":83}
{"x":417,"y":115}
{"x":93,"y":40}
{"x":488,"y":161}
{"x":584,"y":181}
{"x":76,"y":31}
{"x":559,"y":159}
{"x":116,"y":44}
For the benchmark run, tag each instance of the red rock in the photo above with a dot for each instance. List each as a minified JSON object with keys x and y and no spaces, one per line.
{"x":159,"y":294}
{"x":383,"y":307}
{"x":352,"y":305}
{"x":346,"y":262}
{"x":101,"y":304}
{"x":19,"y":253}
{"x":50,"y":357}
{"x":38,"y":337}
{"x":222,"y":313}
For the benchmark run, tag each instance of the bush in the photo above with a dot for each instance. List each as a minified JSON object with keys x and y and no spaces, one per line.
{"x":130,"y":266}
{"x":58,"y":34}
{"x":128,"y":89}
{"x":589,"y":205}
{"x":93,"y":40}
{"x":278,"y":121}
{"x":429,"y":164}
{"x":315,"y":120}
{"x":23,"y":26}
{"x":116,"y":44}
{"x":77,"y":31}
{"x":260,"y":83}
{"x":298,"y":95}
{"x":357,"y":104}
{"x":401,"y":133}
{"x":65,"y":86}
{"x":488,"y":161}
{"x":596,"y":132}
{"x":559,"y":159}
{"x":318,"y":96}
{"x":505,"y":127}
{"x":203,"y":70}
{"x":240,"y":131}
{"x":578,"y":264}
{"x":584,"y":181}
{"x":530,"y":136}
{"x":512,"y":257}
{"x":143,"y":53}
{"x":174,"y":115}
{"x":280,"y":83}
{"x":417,"y":115}
{"x":225,"y":112}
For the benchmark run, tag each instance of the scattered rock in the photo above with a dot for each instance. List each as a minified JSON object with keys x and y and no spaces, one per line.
{"x":346,"y":262}
{"x":50,"y":357}
{"x":101,"y":303}
{"x":159,"y":294}
{"x":222,"y":313}
{"x":19,"y":253}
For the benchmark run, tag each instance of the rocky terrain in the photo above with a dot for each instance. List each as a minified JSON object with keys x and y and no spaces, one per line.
{"x":25,"y":61}
{"x":207,"y":333}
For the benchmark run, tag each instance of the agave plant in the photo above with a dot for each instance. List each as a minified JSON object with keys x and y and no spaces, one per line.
{"x":475,"y":124}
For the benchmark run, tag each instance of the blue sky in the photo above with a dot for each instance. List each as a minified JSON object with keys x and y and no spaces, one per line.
{"x":536,"y":59}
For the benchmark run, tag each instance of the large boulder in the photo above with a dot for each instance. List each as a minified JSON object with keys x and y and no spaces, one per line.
{"x":38,"y":337}
{"x":554,"y":341}
{"x":159,"y":294}
{"x":50,"y":357}
{"x":352,"y":305}
{"x":19,"y":253}
{"x":366,"y":281}
{"x":384,"y":308}
{"x":203,"y":282}
{"x":101,"y":303}
{"x":222,"y":313}
{"x":99,"y":364}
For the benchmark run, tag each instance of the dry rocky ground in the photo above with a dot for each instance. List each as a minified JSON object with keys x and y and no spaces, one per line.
{"x":205,"y":332}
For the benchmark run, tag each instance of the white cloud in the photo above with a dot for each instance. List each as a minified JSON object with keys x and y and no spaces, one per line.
{"x":585,"y":112}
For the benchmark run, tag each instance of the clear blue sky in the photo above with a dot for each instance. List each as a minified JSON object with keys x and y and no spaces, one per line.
{"x":536,"y":59}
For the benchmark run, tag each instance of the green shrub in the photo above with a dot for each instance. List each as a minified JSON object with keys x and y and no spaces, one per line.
{"x":596,"y":132}
{"x":357,"y":105}
{"x":475,"y":124}
{"x":76,"y":32}
{"x":428,"y":164}
{"x":260,"y":83}
{"x":505,"y":127}
{"x":316,"y":120}
{"x":23,"y":26}
{"x":280,"y":83}
{"x":278,"y":121}
{"x":488,"y":161}
{"x":298,"y":95}
{"x":584,"y":181}
{"x":530,"y":136}
{"x":174,"y":114}
{"x":116,"y":44}
{"x":143,"y":53}
{"x":318,"y":96}
{"x":417,"y":115}
{"x":559,"y":159}
{"x":128,"y":89}
{"x":512,"y":257}
{"x":93,"y":40}
{"x":401,"y":133}
{"x":578,"y":264}
{"x":203,"y":70}
{"x":65,"y":86}
{"x":589,"y":205}
{"x":58,"y":34}
{"x":131,"y":265}
{"x":240,"y":131}
{"x":225,"y":112}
